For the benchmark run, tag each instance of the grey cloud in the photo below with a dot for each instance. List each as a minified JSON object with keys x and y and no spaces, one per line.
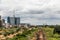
{"x":35,"y":16}
{"x":36,"y":12}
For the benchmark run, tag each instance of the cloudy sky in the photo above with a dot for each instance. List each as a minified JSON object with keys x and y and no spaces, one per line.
{"x":32,"y":11}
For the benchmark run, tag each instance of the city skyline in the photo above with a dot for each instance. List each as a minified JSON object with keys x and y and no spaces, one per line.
{"x":32,"y":11}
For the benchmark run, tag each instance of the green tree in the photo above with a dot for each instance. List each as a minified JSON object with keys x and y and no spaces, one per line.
{"x":0,"y":23}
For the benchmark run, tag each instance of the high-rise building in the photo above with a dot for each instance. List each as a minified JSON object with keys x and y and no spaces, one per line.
{"x":17,"y":20}
{"x":13,"y":20}
{"x":3,"y":20}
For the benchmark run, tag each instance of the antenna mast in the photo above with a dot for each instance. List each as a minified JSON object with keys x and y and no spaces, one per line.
{"x":14,"y":13}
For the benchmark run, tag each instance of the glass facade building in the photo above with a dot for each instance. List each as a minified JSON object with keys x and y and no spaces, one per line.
{"x":13,"y":20}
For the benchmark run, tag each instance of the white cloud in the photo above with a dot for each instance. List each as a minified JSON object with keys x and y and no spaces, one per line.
{"x":29,"y":4}
{"x":32,"y":11}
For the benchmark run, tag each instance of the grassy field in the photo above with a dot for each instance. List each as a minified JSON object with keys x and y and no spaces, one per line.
{"x":27,"y":34}
{"x":50,"y":35}
{"x":15,"y":33}
{"x":48,"y":31}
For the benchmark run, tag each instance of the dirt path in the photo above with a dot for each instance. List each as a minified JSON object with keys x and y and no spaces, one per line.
{"x":40,"y":35}
{"x":2,"y":37}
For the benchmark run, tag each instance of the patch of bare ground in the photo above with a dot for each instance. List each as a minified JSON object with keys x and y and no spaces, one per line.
{"x":12,"y":35}
{"x":2,"y":37}
{"x":40,"y":35}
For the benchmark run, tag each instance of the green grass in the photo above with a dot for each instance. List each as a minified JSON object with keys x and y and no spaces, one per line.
{"x":26,"y":35}
{"x":50,"y":35}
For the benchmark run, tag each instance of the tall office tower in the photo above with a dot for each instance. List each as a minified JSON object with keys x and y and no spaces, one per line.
{"x":3,"y":20}
{"x":17,"y":20}
{"x":10,"y":20}
{"x":13,"y":20}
